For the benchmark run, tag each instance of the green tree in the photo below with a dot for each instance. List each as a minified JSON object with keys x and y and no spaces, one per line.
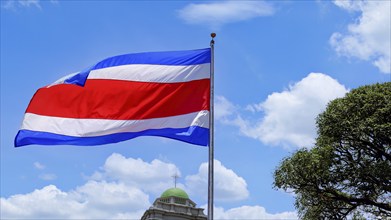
{"x":347,"y":174}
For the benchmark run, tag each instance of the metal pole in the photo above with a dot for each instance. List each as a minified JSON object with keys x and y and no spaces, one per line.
{"x":211,"y":135}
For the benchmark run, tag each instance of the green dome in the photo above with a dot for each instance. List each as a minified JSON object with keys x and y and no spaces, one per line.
{"x":175,"y":192}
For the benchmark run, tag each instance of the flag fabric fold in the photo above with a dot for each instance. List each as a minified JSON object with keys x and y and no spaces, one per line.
{"x":164,"y":94}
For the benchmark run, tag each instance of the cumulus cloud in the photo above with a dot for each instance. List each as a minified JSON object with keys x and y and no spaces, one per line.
{"x":117,"y":197}
{"x":152,"y":177}
{"x":112,"y":195}
{"x":119,"y":190}
{"x":368,"y":38}
{"x":228,"y":186}
{"x":288,"y":117}
{"x":217,"y":14}
{"x":94,"y":200}
{"x":251,"y":212}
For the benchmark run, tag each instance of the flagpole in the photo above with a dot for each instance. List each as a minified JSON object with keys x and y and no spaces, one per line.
{"x":211,"y":132}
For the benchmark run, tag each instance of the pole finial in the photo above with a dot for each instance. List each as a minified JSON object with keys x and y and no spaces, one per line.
{"x":212,"y":42}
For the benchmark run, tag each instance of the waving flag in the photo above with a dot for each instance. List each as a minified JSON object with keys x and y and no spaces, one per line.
{"x":163,"y":94}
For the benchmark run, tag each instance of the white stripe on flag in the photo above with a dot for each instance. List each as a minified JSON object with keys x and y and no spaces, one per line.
{"x":97,"y":127}
{"x":153,"y":73}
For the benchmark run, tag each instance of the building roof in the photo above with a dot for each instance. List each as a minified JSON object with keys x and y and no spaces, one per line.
{"x":176,"y":192}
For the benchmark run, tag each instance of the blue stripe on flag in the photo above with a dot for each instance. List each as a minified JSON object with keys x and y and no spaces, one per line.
{"x":193,"y":135}
{"x":179,"y":58}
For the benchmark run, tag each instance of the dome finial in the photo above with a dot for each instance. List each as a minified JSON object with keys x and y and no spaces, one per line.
{"x":175,"y":176}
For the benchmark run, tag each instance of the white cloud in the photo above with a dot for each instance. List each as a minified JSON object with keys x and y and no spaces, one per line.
{"x":152,"y":177}
{"x":28,"y":3}
{"x":251,"y":212}
{"x":112,"y":195}
{"x":228,"y":186}
{"x":223,"y":108}
{"x":12,"y":4}
{"x":94,"y":200}
{"x":39,"y":166}
{"x":289,"y":116}
{"x":369,"y":37}
{"x":118,"y":191}
{"x":349,"y":5}
{"x":116,"y":197}
{"x":217,"y":14}
{"x":42,"y":203}
{"x":44,"y":176}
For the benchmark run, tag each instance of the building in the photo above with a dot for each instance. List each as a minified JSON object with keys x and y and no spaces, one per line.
{"x":174,"y":204}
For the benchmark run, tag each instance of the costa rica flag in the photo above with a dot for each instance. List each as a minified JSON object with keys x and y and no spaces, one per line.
{"x":164,"y":94}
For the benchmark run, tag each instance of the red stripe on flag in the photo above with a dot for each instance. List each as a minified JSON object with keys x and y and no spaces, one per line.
{"x":122,"y":100}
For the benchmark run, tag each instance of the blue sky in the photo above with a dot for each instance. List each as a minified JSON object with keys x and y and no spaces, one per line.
{"x":277,"y":65}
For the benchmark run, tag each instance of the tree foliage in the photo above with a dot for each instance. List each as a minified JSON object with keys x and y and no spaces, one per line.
{"x":348,"y":171}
